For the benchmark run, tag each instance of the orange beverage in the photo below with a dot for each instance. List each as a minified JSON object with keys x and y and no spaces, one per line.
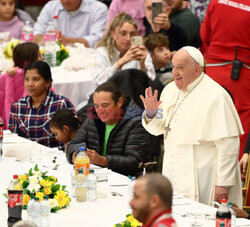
{"x":82,"y":162}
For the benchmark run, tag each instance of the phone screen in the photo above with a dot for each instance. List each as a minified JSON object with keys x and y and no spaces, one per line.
{"x":156,"y":9}
{"x":136,"y":40}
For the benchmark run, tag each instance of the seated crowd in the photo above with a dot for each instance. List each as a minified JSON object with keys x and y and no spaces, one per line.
{"x":148,"y":95}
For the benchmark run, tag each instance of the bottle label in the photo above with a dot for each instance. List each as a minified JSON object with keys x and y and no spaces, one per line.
{"x":84,"y":166}
{"x":1,"y":131}
{"x":27,"y":37}
{"x":50,"y":36}
{"x":58,"y":35}
{"x":226,"y":222}
{"x":15,"y":200}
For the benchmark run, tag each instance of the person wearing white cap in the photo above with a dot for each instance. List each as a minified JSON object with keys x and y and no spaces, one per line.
{"x":201,"y":130}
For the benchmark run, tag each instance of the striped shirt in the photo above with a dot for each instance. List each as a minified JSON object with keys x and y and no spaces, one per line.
{"x":33,"y":123}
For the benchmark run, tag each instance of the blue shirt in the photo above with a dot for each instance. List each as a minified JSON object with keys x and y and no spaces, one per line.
{"x":87,"y":22}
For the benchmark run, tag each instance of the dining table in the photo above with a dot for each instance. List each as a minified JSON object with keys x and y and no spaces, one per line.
{"x":112,"y":204}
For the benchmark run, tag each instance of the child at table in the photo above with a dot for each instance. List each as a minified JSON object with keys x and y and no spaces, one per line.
{"x":9,"y":21}
{"x":64,"y":124}
{"x":12,"y":82}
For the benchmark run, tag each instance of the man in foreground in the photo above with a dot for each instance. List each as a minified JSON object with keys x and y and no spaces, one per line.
{"x":113,"y":133}
{"x":201,"y":132}
{"x":152,"y":201}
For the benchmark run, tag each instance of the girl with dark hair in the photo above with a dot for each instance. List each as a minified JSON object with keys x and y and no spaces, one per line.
{"x":9,"y":22}
{"x":30,"y":115}
{"x":12,"y":82}
{"x":64,"y":124}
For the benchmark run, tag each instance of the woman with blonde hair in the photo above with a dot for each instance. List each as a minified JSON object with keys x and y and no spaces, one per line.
{"x":114,"y":51}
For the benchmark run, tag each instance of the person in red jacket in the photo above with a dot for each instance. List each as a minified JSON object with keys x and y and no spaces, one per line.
{"x":152,"y":201}
{"x":225,"y":37}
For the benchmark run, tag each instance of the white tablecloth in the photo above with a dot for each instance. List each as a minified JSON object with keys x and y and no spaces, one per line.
{"x":105,"y":212}
{"x":74,"y":85}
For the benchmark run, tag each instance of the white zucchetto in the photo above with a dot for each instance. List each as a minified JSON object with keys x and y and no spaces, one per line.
{"x":195,"y":54}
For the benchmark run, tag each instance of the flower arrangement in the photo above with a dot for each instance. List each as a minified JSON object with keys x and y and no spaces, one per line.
{"x":38,"y":183}
{"x":129,"y":222}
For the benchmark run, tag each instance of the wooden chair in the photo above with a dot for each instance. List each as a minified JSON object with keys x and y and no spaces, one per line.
{"x":246,"y":189}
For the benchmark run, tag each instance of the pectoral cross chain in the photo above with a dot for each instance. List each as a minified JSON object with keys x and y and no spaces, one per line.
{"x":167,"y":130}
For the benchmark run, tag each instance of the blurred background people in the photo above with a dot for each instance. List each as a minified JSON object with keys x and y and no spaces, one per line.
{"x":80,"y":21}
{"x":114,"y":52}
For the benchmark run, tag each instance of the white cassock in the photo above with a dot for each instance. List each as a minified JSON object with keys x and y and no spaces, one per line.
{"x":201,"y":149}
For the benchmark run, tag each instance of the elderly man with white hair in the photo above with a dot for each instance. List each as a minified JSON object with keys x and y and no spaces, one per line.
{"x":201,"y":130}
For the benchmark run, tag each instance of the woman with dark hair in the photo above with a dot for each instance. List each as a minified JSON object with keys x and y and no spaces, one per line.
{"x":12,"y":82}
{"x":30,"y":115}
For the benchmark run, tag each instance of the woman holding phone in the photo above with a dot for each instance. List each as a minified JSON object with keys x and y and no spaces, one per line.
{"x":116,"y":52}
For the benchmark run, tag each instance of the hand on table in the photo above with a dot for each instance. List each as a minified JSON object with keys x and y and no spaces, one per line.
{"x":240,"y":213}
{"x":95,"y":158}
{"x":220,"y":193}
{"x":150,"y":102}
{"x":243,"y":165}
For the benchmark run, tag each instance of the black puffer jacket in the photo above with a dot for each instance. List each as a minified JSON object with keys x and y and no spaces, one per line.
{"x":128,"y":143}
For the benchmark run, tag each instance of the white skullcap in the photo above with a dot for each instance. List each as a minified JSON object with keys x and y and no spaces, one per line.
{"x":195,"y":54}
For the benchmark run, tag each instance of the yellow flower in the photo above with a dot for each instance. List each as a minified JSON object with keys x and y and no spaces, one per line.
{"x":47,"y":191}
{"x":134,"y":222}
{"x":53,"y":179}
{"x":26,"y":199}
{"x":62,"y":198}
{"x":46,"y":183}
{"x":40,"y":196}
{"x":22,"y":178}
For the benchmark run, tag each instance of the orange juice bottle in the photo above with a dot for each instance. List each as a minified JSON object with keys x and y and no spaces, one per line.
{"x":82,"y":162}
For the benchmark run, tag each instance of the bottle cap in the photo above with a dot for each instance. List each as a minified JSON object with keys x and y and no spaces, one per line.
{"x":15,"y":176}
{"x":55,"y":17}
{"x":223,"y":201}
{"x":82,"y":148}
{"x":92,"y":171}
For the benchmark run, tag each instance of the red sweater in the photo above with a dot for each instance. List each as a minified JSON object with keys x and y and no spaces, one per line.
{"x":226,"y":25}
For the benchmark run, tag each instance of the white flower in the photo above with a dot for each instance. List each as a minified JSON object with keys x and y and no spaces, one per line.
{"x":34,"y":179}
{"x":39,"y":173}
{"x":33,"y":187}
{"x":53,"y":203}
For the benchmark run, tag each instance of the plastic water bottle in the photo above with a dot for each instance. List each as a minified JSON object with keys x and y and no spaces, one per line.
{"x":82,"y":162}
{"x":91,"y":186}
{"x":37,"y":212}
{"x":50,"y":45}
{"x":29,"y":207}
{"x":81,"y":188}
{"x":45,"y":212}
{"x":73,"y":181}
{"x":1,"y":136}
{"x":57,"y":28}
{"x":27,"y":32}
{"x":233,"y":215}
{"x":131,"y":187}
{"x":223,"y":215}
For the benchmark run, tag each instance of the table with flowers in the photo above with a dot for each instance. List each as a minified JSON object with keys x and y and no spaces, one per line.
{"x":20,"y":156}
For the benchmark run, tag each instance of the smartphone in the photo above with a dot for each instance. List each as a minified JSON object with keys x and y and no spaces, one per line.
{"x":156,"y":9}
{"x":77,"y":147}
{"x":136,"y":41}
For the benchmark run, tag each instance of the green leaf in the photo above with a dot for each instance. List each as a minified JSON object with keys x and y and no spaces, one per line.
{"x":55,"y":188}
{"x":25,"y":184}
{"x":118,"y":225}
{"x":44,"y":173}
{"x":63,"y":187}
{"x":26,"y":191}
{"x":30,"y":172}
{"x":24,"y":207}
{"x":36,"y":168}
{"x":54,"y":209}
{"x":5,"y":195}
{"x":127,"y":224}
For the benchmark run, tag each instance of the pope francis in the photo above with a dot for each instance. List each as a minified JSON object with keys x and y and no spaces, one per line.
{"x":201,"y":131}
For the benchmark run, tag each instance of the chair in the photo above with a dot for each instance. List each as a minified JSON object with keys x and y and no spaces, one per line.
{"x":246,"y":189}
